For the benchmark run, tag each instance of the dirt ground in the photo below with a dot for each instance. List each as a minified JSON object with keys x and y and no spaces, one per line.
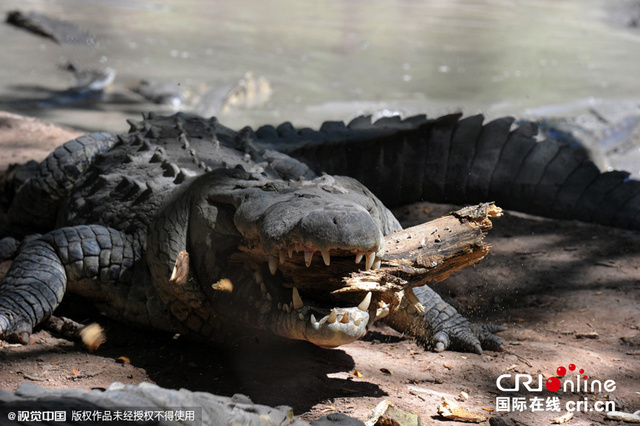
{"x":568,"y":293}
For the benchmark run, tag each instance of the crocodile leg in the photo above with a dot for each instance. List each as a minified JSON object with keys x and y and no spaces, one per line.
{"x":438,"y":326}
{"x":83,"y":257}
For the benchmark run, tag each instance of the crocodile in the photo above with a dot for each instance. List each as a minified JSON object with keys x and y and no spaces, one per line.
{"x":203,"y":408}
{"x":118,"y":213}
{"x":195,"y":408}
{"x":61,"y":32}
{"x":250,"y":91}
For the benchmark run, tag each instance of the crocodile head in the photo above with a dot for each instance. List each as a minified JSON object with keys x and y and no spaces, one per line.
{"x":255,"y":242}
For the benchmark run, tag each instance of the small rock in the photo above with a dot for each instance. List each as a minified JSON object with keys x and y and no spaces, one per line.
{"x":397,"y":417}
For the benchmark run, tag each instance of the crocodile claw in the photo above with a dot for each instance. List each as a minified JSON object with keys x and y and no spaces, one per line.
{"x":14,"y":331}
{"x":465,"y":336}
{"x":438,"y":326}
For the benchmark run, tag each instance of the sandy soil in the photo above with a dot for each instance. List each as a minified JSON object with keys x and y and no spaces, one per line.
{"x":26,"y":138}
{"x":568,"y":293}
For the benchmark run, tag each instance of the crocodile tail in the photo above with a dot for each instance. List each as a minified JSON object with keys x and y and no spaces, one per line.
{"x":458,"y":161}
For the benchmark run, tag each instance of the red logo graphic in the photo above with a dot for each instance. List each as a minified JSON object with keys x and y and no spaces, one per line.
{"x":553,"y":383}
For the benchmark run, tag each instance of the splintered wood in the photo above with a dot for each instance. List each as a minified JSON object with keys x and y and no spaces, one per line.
{"x":429,"y":252}
{"x":180,"y":272}
{"x":413,"y":257}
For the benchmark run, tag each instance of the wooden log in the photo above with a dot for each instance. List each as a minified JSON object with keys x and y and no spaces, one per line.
{"x":426,"y":253}
{"x":413,"y":257}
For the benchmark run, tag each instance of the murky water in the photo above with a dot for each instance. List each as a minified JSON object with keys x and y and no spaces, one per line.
{"x":331,"y":59}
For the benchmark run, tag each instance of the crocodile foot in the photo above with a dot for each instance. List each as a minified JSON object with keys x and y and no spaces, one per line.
{"x":438,"y":326}
{"x":14,"y":329}
{"x":460,"y":334}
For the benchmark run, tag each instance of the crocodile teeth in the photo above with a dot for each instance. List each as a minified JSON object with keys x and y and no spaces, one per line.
{"x":383,"y":311}
{"x":333,"y":316}
{"x":376,"y":264}
{"x":345,"y":318}
{"x":301,"y":316}
{"x":257,"y":276}
{"x":371,"y":257}
{"x":281,"y":256}
{"x":313,"y":319}
{"x":290,"y":251}
{"x":308,"y":255}
{"x":359,"y":256}
{"x":263,"y":288}
{"x":364,"y":305}
{"x":326,"y":257}
{"x":297,"y":300}
{"x":273,"y":265}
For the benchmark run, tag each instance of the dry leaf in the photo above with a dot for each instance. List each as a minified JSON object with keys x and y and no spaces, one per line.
{"x":92,"y":336}
{"x":625,"y":417}
{"x":357,"y":373}
{"x":123,"y":360}
{"x":451,"y":410}
{"x":563,"y":419}
{"x":587,"y":335}
{"x":386,"y":371}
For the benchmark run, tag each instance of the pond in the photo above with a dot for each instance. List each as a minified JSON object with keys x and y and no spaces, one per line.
{"x":330,"y":60}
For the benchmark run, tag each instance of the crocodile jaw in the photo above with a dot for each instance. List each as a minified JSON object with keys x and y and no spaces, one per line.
{"x":243,"y":228}
{"x":261,"y":302}
{"x":340,"y":327}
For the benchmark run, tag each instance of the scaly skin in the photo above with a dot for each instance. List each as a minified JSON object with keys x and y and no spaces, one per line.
{"x":463,"y":160}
